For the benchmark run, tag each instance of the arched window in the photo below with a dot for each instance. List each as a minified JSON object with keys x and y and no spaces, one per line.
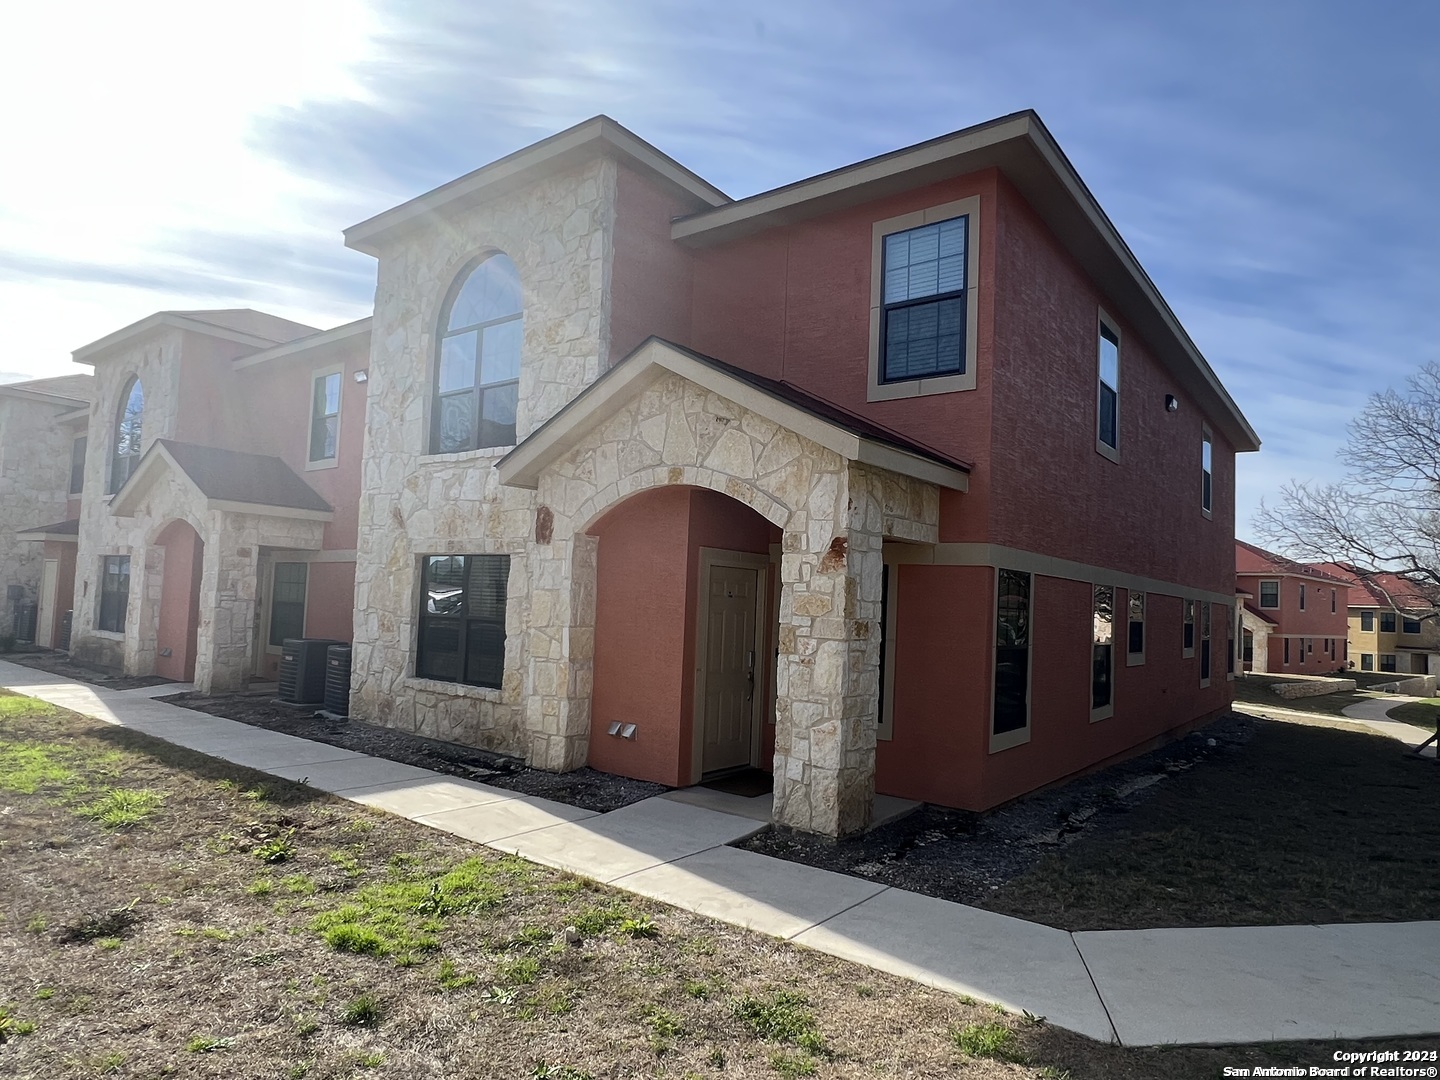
{"x":477,"y":376}
{"x":128,"y":421}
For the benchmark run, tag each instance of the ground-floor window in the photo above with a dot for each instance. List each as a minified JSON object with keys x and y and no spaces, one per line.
{"x":1012,"y":652}
{"x":287,"y":602}
{"x":1287,"y":650}
{"x":1387,"y":661}
{"x":114,"y":593}
{"x":1135,"y":646}
{"x":1247,"y":646}
{"x":462,"y":619}
{"x":1229,"y":640}
{"x":1189,"y":627}
{"x":1103,"y":654}
{"x":1205,"y":642}
{"x":1367,"y":661}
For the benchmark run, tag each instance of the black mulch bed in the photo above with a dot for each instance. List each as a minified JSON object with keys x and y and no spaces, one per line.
{"x":585,"y":788}
{"x":58,"y":663}
{"x":962,"y":856}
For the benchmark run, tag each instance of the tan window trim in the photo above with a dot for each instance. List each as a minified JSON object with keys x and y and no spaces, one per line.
{"x":942,"y":384}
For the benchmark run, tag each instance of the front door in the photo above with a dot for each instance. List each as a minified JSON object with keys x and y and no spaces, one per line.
{"x":49,"y":588}
{"x":729,"y":666}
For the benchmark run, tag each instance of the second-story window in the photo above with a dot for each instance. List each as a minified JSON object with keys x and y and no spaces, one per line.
{"x":1107,"y":425}
{"x":1367,"y":622}
{"x":1206,"y":481}
{"x":77,"y":465}
{"x":477,"y":374}
{"x":923,"y":328}
{"x":1387,"y":622}
{"x":1269,"y":594}
{"x":129,"y":423}
{"x":1302,"y":596}
{"x":1332,"y":601}
{"x":325,"y":417}
{"x":1409,"y":626}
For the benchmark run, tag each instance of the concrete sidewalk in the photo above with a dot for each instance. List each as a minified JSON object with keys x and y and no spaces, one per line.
{"x":1250,"y":984}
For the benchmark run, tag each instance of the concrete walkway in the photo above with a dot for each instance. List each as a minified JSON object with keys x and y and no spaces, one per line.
{"x":1250,"y":984}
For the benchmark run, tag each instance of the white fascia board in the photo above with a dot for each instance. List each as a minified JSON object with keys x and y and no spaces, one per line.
{"x":163,"y":319}
{"x":334,"y":336}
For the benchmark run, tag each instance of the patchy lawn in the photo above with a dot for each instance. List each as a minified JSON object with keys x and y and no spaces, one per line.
{"x":164,"y":913}
{"x":1422,"y":712}
{"x":1309,"y":823}
{"x":1255,"y":690}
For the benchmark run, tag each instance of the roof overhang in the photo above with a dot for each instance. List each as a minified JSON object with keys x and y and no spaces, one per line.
{"x":66,"y":532}
{"x":335,"y":337}
{"x":1022,"y":148}
{"x":43,"y":398}
{"x":563,"y":432}
{"x":87,"y":354}
{"x":598,"y":135}
{"x":158,"y":461}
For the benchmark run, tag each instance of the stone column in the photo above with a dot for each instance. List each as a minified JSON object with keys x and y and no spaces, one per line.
{"x":559,"y":668}
{"x":828,"y":674}
{"x":228,"y":587}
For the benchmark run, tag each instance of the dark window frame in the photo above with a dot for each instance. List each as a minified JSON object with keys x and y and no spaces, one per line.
{"x":1406,"y":624}
{"x":79,"y":446}
{"x":1332,"y":601}
{"x":276,"y":633}
{"x":1205,"y":616}
{"x":1187,"y":633}
{"x":1302,"y":596}
{"x":114,"y":602}
{"x":1270,"y":607}
{"x":1388,"y":664}
{"x":125,"y":447}
{"x":477,"y":438}
{"x":1367,"y":622}
{"x":1102,"y":656}
{"x":1010,"y":682}
{"x":463,"y":623}
{"x":1135,"y":627}
{"x":1107,"y":408}
{"x":1207,"y":472}
{"x":1387,"y":622}
{"x":958,"y":297}
{"x":1367,"y":661}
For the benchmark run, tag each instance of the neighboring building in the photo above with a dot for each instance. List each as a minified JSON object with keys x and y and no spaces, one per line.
{"x":42,"y":429}
{"x":903,"y":478}
{"x":1293,"y":618}
{"x":1391,"y":624}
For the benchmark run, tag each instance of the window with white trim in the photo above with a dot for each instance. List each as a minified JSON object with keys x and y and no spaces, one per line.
{"x":1367,"y":622}
{"x":923,"y":309}
{"x":1135,"y":636}
{"x":1188,"y":629}
{"x":325,"y":417}
{"x":1107,"y":422}
{"x":1302,"y":596}
{"x":477,"y":374}
{"x":1102,"y":659}
{"x":1012,"y":653}
{"x":1206,"y":474}
{"x":1205,"y":643}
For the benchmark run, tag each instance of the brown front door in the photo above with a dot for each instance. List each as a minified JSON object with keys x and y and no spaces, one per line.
{"x":729,"y":667}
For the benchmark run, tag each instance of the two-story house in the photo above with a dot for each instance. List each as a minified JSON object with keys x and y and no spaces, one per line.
{"x":1292,"y":615}
{"x":42,"y":440}
{"x":1391,"y":623}
{"x":899,"y":478}
{"x":903,"y":478}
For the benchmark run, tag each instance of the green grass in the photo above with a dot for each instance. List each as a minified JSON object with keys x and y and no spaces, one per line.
{"x":402,"y":915}
{"x":988,"y":1041}
{"x":1422,"y":712}
{"x":364,"y":1011}
{"x":206,"y":1044}
{"x":781,"y":1017}
{"x":123,"y":808}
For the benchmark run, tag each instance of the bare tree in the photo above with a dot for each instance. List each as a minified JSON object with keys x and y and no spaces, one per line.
{"x":1384,"y":517}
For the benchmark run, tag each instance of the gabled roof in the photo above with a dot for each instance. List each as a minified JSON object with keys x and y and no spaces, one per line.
{"x":1384,"y":590}
{"x":71,"y":390}
{"x":334,"y":337}
{"x":1253,"y":610}
{"x":852,"y":437}
{"x":226,"y":480}
{"x":1021,"y":147}
{"x":1252,"y":561}
{"x":243,"y":325}
{"x":598,"y":135}
{"x":67,"y":530}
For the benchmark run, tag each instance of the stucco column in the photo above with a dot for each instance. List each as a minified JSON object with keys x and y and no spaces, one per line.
{"x":561,"y":649}
{"x":228,"y":587}
{"x":829,"y":663}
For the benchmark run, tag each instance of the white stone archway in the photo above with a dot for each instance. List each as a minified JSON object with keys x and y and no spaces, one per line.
{"x":834,"y":514}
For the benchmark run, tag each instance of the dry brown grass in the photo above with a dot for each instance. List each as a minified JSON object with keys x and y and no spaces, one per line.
{"x":215,"y":969}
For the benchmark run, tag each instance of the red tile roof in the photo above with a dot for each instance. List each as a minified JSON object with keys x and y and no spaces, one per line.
{"x":1253,"y":561}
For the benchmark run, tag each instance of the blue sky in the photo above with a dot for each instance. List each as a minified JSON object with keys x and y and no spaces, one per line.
{"x":1271,"y":163}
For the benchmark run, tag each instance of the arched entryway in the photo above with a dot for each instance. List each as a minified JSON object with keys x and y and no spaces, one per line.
{"x":178,"y":622}
{"x":686,"y":595}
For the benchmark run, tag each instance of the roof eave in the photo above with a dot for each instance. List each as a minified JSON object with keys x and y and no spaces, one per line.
{"x":599,"y":134}
{"x":336,"y":335}
{"x":42,"y":398}
{"x":87,"y":354}
{"x":1014,"y":144}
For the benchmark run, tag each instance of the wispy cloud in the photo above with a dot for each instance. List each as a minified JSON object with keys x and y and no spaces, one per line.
{"x":1271,"y":165}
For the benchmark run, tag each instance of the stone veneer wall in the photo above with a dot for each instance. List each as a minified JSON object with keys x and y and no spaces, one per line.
{"x":156,"y":360}
{"x":834,"y":516}
{"x":34,"y":480}
{"x":559,"y":233}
